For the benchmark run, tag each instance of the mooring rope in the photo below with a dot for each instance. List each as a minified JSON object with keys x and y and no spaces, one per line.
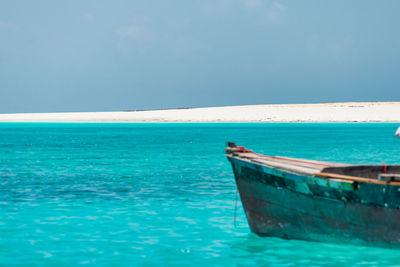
{"x":234,"y":218}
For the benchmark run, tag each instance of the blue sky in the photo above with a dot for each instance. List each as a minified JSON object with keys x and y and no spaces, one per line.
{"x":91,"y":55}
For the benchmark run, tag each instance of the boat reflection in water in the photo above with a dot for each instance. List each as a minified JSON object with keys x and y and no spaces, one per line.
{"x":320,"y":201}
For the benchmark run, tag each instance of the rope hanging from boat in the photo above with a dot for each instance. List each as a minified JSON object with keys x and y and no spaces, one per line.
{"x":234,"y":218}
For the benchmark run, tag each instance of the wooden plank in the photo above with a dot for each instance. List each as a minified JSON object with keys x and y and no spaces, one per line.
{"x":279,"y":166}
{"x":289,"y":165}
{"x":287,"y":168}
{"x":354,"y":178}
{"x":334,"y":164}
{"x":319,"y":165}
{"x":295,"y":164}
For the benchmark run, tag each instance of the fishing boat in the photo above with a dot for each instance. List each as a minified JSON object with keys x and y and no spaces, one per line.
{"x":321,"y":201}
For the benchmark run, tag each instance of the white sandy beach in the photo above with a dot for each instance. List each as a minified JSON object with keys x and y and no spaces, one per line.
{"x":324,"y":112}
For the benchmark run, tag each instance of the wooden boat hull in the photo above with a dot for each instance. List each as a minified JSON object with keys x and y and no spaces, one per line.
{"x":293,"y":206}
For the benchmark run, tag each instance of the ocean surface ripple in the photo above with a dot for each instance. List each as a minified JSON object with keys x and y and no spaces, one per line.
{"x":144,"y":194}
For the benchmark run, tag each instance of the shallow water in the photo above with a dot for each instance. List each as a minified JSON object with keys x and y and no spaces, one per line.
{"x":141,"y":194}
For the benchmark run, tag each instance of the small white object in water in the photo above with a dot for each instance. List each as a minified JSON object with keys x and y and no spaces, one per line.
{"x":397,"y":134}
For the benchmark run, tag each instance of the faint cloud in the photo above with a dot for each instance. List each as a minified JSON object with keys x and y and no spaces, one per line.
{"x":276,"y":12}
{"x":7,"y":26}
{"x":331,"y":49}
{"x":342,"y":46}
{"x":312,"y":43}
{"x":138,"y":30}
{"x":135,"y":32}
{"x":252,"y":3}
{"x":89,"y":17}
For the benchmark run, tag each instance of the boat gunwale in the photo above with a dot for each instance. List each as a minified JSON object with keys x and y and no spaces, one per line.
{"x":321,"y":174}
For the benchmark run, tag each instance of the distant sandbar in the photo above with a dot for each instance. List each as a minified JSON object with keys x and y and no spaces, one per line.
{"x":323,"y":112}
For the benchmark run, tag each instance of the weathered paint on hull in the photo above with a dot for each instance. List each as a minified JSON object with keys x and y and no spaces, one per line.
{"x":310,"y":208}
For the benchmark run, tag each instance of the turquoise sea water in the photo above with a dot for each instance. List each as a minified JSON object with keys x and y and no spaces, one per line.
{"x":146,"y":194}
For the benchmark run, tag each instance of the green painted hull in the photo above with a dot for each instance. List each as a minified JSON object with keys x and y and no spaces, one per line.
{"x":291,"y":206}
